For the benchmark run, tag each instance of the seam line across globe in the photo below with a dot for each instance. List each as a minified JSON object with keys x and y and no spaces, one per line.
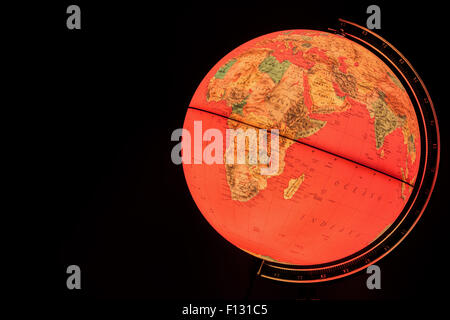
{"x":306,"y":144}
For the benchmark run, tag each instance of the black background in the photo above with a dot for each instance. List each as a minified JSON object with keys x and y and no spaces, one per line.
{"x":118,"y":88}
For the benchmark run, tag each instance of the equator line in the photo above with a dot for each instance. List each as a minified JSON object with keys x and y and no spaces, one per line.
{"x":308,"y":145}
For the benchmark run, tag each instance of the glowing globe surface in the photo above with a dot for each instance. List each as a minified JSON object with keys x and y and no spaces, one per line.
{"x":349,"y":147}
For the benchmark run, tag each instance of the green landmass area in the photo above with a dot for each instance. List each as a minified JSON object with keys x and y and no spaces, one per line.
{"x":385,"y":120}
{"x":411,"y":145}
{"x":220,"y":74}
{"x":237,"y":107}
{"x":395,"y":80}
{"x":273,"y":68}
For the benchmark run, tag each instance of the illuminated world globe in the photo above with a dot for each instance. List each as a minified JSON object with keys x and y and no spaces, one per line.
{"x":349,"y":147}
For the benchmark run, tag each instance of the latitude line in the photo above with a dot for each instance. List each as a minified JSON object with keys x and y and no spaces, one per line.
{"x":306,"y":144}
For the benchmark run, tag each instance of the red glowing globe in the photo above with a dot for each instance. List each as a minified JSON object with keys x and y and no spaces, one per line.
{"x":349,"y":147}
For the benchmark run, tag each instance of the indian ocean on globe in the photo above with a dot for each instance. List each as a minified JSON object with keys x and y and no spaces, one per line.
{"x":349,"y":147}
